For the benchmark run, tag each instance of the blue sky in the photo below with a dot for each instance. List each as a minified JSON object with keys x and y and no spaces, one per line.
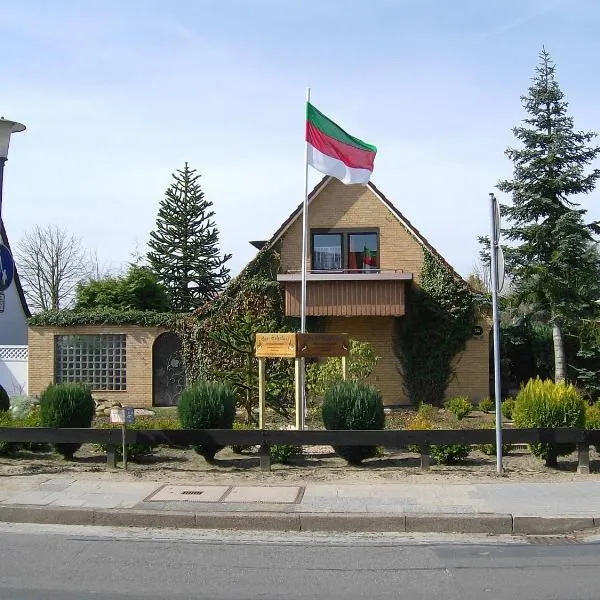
{"x":118,"y":94}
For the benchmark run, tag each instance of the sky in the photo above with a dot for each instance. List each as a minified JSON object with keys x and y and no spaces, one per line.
{"x":117,"y":95}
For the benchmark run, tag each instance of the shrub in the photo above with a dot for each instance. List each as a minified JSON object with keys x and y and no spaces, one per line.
{"x":459,"y":406}
{"x":32,"y":419}
{"x":490,"y":449}
{"x":7,"y":448}
{"x":427,"y":411}
{"x":281,"y":453}
{"x":207,"y":405}
{"x":449,"y":454}
{"x":548,"y":404}
{"x":507,"y":408}
{"x":418,"y":423}
{"x":486,"y":405}
{"x":240,"y":448}
{"x":4,"y":400}
{"x":353,"y":405}
{"x":592,"y":418}
{"x":66,"y":405}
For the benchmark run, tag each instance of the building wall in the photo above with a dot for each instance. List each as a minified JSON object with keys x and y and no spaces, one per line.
{"x":339,"y":205}
{"x":139,"y":360}
{"x":471,"y":366}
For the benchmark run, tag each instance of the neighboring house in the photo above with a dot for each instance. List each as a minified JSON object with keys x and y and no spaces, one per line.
{"x":13,"y":333}
{"x":363,"y":255}
{"x":13,"y":321}
{"x":133,"y":365}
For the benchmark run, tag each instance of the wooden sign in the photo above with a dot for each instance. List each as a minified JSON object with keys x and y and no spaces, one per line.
{"x":321,"y":345}
{"x":276,"y":345}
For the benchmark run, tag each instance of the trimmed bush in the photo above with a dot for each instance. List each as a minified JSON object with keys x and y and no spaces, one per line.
{"x":460,"y":406}
{"x":507,"y":407}
{"x":207,"y":405}
{"x":353,"y":405}
{"x":66,"y":405}
{"x":4,"y":400}
{"x":548,"y":404}
{"x":281,"y":453}
{"x":486,"y":405}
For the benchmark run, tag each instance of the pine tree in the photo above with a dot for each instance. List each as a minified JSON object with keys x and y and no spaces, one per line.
{"x":552,"y":257}
{"x":184,"y":247}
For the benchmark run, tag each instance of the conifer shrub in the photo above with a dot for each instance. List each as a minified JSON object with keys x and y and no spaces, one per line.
{"x":353,"y":405}
{"x":66,"y":405}
{"x":4,"y":400}
{"x":548,"y":404}
{"x":460,"y":406}
{"x":207,"y":405}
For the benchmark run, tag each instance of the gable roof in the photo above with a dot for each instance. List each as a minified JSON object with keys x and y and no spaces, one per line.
{"x":16,"y":280}
{"x":410,"y":228}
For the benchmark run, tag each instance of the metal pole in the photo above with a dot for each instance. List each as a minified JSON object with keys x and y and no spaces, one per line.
{"x":496,"y":332}
{"x":300,"y":366}
{"x":124,"y":445}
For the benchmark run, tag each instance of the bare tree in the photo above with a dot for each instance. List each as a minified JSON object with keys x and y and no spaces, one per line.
{"x":51,"y":263}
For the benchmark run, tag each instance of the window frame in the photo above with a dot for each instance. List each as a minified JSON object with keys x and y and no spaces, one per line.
{"x":98,"y":363}
{"x":345,"y":233}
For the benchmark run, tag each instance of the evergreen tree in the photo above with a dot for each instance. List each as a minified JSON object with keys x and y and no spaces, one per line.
{"x":552,"y":257}
{"x":184,"y":247}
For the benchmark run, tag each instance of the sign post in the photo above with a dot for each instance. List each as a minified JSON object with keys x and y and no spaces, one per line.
{"x":123,"y":416}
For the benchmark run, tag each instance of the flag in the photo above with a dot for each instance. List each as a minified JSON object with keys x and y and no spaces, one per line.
{"x":369,"y":260}
{"x":334,"y":152}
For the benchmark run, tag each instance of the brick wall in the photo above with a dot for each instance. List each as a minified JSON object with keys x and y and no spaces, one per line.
{"x":139,"y":360}
{"x":339,"y":205}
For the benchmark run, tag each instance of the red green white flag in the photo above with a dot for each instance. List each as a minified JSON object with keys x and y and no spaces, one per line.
{"x":334,"y":152}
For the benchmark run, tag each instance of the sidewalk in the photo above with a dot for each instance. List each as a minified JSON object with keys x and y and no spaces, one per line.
{"x":503,"y":508}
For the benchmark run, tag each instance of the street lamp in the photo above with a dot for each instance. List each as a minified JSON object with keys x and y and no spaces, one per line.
{"x":6,"y":129}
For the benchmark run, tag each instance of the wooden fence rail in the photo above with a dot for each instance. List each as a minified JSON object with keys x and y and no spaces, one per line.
{"x":264,"y":438}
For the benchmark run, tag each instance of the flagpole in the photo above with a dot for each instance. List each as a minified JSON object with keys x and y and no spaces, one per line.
{"x":300,"y":366}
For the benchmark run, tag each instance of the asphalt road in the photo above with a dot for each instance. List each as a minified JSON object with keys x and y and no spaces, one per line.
{"x":77,"y":563}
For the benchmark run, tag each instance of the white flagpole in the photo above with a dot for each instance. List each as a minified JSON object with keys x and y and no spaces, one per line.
{"x":301,"y":407}
{"x":496,"y":330}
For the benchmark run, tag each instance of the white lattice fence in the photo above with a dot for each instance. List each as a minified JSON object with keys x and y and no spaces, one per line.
{"x":13,"y":369}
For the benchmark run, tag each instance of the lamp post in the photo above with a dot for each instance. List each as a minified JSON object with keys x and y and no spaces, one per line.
{"x":6,"y":129}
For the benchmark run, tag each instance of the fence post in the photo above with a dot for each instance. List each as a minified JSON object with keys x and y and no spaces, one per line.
{"x":425,"y":458}
{"x":111,"y":456}
{"x":583,"y":458}
{"x":264,"y":454}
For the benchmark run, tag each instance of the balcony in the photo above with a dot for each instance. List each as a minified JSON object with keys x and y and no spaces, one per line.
{"x":347,"y":293}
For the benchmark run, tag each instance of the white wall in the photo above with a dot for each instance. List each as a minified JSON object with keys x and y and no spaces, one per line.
{"x":13,"y":369}
{"x":13,"y":323}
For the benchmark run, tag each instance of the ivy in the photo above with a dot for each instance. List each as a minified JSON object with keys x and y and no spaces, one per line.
{"x":440,"y":314}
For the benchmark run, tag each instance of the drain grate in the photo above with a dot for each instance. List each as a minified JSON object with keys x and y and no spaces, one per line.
{"x":551,"y":540}
{"x":191,"y":493}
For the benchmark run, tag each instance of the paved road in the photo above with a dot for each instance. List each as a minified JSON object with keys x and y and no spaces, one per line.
{"x":52,"y":563}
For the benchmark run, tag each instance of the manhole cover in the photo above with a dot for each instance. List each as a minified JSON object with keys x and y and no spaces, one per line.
{"x":551,"y":540}
{"x":264,"y":494}
{"x":189,"y":493}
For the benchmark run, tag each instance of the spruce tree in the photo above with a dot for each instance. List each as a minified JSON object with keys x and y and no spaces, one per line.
{"x":551,"y":258}
{"x":184,"y":247}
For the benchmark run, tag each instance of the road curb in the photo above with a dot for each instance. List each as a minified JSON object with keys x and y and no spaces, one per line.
{"x":488,"y":523}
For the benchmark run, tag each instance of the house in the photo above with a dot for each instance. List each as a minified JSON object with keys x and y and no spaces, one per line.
{"x":14,"y":313}
{"x":364,"y":255}
{"x":13,"y":318}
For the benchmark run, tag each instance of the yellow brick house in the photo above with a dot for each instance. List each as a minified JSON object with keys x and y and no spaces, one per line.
{"x":364,"y":254}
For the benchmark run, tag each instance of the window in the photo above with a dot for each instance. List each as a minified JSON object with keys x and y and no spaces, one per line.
{"x":356,"y":251}
{"x":327,"y":252}
{"x":362,"y":252}
{"x":98,"y":360}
